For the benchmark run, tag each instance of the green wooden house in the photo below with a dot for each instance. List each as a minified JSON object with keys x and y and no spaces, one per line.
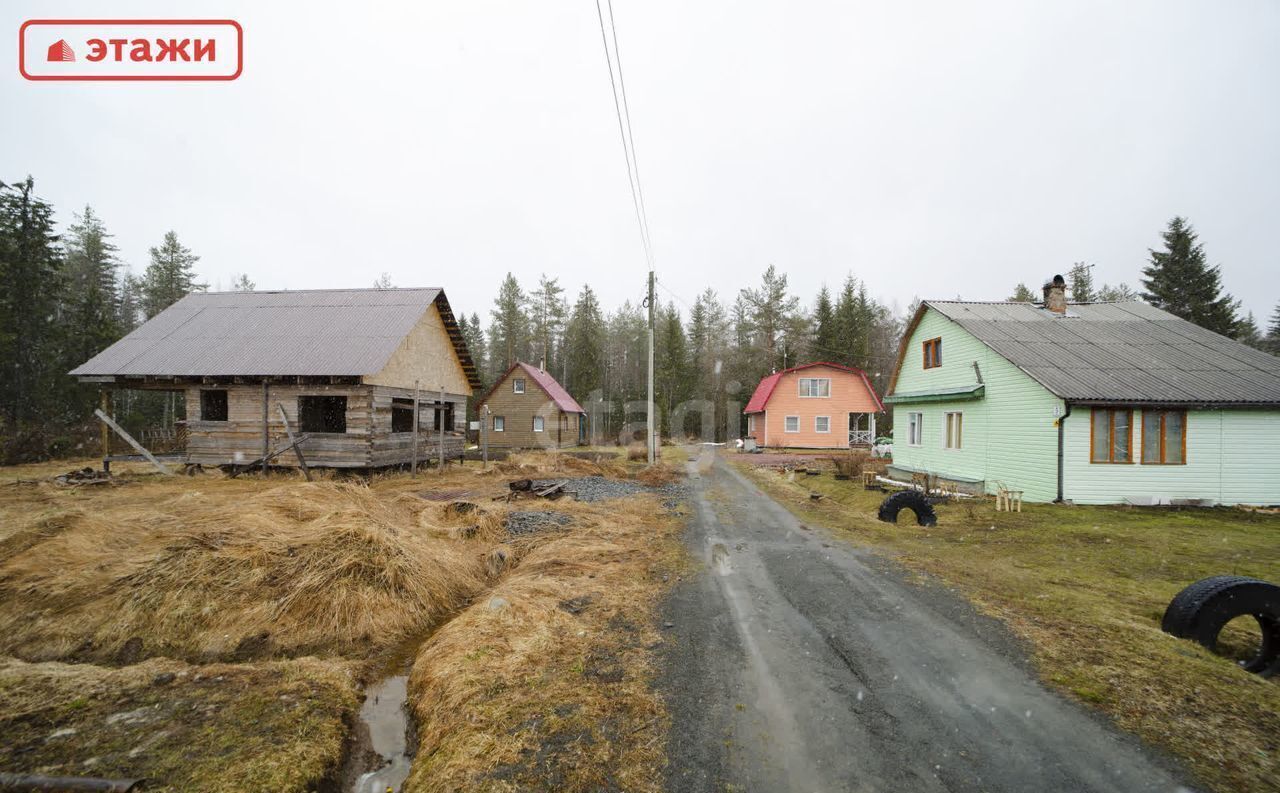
{"x":1092,"y":403}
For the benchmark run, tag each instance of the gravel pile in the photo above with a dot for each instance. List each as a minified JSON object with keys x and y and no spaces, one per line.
{"x":536,"y":521}
{"x":598,"y":488}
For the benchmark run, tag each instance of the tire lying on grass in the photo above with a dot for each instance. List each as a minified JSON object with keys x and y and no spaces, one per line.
{"x":908,"y":499}
{"x":1200,"y":612}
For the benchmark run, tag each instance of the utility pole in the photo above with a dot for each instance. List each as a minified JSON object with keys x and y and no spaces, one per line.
{"x":649,"y":407}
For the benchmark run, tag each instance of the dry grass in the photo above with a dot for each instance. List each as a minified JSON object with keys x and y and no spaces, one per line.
{"x":215,"y":569}
{"x":212,"y":572}
{"x":222,"y":728}
{"x":1087,"y":586}
{"x":520,"y":692}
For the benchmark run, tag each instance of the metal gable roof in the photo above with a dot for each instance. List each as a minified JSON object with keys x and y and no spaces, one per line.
{"x":1121,"y":352}
{"x":309,"y":332}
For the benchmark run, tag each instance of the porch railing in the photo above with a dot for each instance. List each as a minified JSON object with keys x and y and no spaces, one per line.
{"x":860,"y":438}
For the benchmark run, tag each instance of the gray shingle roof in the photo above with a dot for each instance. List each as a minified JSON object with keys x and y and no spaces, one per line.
{"x":1121,"y":352}
{"x":339,"y":332}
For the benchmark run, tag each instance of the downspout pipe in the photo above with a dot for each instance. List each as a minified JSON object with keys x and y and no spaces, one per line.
{"x":1061,"y":438}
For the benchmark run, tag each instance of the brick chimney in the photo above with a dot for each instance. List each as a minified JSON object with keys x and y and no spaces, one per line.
{"x":1055,"y":295}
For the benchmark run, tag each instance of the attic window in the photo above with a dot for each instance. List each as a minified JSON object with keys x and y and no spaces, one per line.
{"x":322,"y":413}
{"x":517,"y":385}
{"x":213,"y":405}
{"x":933,"y":353}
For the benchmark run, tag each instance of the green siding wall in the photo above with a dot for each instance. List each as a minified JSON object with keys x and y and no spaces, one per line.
{"x":1010,"y":435}
{"x":1233,"y":457}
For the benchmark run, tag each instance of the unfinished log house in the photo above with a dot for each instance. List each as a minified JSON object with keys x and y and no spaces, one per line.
{"x":344,"y":367}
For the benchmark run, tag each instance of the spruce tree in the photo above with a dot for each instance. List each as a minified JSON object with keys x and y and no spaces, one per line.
{"x":584,"y":342}
{"x":91,"y":299}
{"x":1116,"y":294}
{"x":473,"y":335}
{"x":1080,"y":282}
{"x":1247,"y":333}
{"x":771,"y":310}
{"x":1272,"y":340}
{"x":1179,"y":280}
{"x":170,"y":277}
{"x":508,"y":327}
{"x":848,"y":324}
{"x":671,"y":372}
{"x":129,"y":306}
{"x":824,"y":326}
{"x":243,"y":284}
{"x":30,"y":283}
{"x":1022,"y":294}
{"x":547,"y":317}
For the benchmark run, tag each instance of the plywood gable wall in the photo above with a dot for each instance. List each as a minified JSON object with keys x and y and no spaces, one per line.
{"x":427,"y":356}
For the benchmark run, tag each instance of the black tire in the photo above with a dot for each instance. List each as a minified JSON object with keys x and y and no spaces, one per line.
{"x":908,"y":499}
{"x":1200,"y":612}
{"x":1186,"y":603}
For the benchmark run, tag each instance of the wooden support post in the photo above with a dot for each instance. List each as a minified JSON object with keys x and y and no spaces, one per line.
{"x":417,"y":396}
{"x":484,"y":435}
{"x":297,"y":450}
{"x":266,"y":427}
{"x":129,"y":439}
{"x":105,"y":432}
{"x":441,"y":414}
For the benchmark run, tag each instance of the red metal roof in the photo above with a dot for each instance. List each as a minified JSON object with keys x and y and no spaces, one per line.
{"x":548,"y":384}
{"x":760,"y":398}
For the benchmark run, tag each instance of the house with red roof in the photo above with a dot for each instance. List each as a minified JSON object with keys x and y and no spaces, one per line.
{"x":527,"y":409}
{"x":814,"y":406}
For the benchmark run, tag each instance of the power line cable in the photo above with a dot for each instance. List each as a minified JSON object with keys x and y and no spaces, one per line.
{"x":622,"y":133}
{"x":626,"y":110}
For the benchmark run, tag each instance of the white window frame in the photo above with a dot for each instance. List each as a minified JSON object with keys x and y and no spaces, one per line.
{"x":810,"y":384}
{"x":915,"y":429}
{"x":499,"y":423}
{"x":816,"y":428}
{"x":517,"y":385}
{"x":786,"y":421}
{"x":751,"y":423}
{"x":539,"y":424}
{"x":946,"y":430}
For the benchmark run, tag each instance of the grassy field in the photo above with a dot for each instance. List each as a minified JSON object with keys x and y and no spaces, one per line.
{"x":213,"y":634}
{"x":1086,"y":588}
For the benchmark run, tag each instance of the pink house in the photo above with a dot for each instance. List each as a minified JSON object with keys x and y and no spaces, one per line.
{"x":814,"y":406}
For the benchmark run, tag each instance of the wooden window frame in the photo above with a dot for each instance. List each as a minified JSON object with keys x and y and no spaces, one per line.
{"x":499,"y":423}
{"x":827,"y":431}
{"x":518,"y":385}
{"x":1164,"y":436}
{"x":933,"y":345}
{"x":811,"y":381}
{"x":946,"y":430}
{"x":1111,"y":436}
{"x":919,"y":433}
{"x":536,"y":428}
{"x":795,"y":431}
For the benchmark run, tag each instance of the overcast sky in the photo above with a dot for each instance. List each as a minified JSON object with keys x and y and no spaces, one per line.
{"x":931,"y":149}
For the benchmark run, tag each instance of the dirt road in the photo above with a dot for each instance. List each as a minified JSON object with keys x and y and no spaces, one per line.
{"x":797,"y":662}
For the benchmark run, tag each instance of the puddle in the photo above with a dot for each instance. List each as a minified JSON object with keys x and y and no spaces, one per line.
{"x":385,"y":716}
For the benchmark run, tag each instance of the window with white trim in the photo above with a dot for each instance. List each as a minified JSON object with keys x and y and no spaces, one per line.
{"x":517,"y":385}
{"x":791,"y":424}
{"x":822,"y":424}
{"x":539,"y":424}
{"x":751,"y":423}
{"x":954,"y":430}
{"x":915,"y":428}
{"x":499,"y":424}
{"x":815,"y":386}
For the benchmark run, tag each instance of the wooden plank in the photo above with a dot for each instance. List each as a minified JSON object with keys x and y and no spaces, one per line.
{"x":129,"y":439}
{"x":417,"y":397}
{"x":268,"y":457}
{"x":297,"y":450}
{"x":105,"y":436}
{"x":266,"y":420}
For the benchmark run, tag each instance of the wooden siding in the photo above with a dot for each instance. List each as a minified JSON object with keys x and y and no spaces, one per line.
{"x":518,"y":411}
{"x":368,"y":441}
{"x":1010,"y":435}
{"x":426,"y":355}
{"x":849,"y":394}
{"x":1233,"y":457}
